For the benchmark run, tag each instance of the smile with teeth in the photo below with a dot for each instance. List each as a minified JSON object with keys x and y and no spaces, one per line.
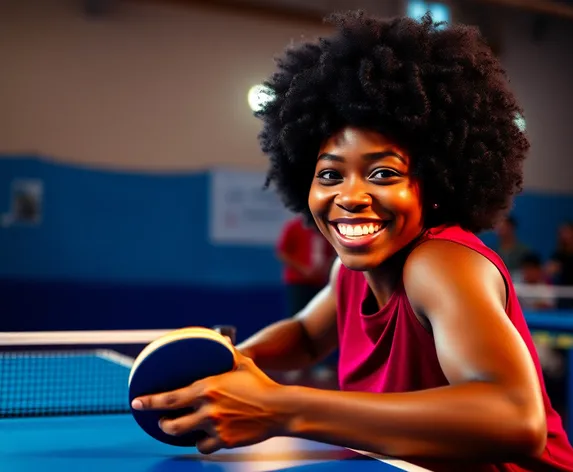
{"x":353,"y":231}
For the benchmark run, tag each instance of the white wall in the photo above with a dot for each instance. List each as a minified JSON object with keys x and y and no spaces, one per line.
{"x":164,"y":87}
{"x":541,"y":71}
{"x":155,"y":87}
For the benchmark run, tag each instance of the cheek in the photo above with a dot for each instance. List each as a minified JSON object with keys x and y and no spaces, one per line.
{"x":407,"y":202}
{"x":318,"y":204}
{"x":317,"y":200}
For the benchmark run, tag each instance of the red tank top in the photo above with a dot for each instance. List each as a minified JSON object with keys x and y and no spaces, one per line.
{"x":390,"y":351}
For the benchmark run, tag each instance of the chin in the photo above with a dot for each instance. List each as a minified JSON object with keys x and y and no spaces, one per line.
{"x":360,"y":262}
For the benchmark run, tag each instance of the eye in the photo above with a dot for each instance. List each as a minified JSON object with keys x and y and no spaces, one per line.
{"x":384,"y":174}
{"x":329,"y":176}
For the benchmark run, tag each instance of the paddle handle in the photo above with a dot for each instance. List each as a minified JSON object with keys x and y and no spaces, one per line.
{"x":227,"y":330}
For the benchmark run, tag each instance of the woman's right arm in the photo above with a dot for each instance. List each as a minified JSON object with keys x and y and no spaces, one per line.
{"x":298,"y":342}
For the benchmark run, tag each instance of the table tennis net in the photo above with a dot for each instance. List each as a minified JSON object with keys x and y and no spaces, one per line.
{"x":68,"y":373}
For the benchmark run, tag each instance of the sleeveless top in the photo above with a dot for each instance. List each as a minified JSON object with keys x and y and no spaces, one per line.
{"x":390,"y":351}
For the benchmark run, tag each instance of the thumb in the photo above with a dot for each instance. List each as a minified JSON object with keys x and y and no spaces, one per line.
{"x":242,"y":361}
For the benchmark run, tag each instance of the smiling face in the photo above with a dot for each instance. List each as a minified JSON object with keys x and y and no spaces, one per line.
{"x":363,"y":198}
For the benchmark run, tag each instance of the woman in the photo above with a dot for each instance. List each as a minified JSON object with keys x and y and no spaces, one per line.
{"x":398,"y":140}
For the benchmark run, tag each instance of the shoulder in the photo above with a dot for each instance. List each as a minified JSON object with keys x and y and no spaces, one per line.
{"x":437,"y":268}
{"x":437,"y":257}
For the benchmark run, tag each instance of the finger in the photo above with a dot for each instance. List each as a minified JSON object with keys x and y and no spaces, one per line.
{"x":209,"y":445}
{"x":181,"y":398}
{"x":196,"y":421}
{"x":229,"y":331}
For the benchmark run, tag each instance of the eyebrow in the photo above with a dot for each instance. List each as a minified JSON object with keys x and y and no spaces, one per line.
{"x":370,"y":156}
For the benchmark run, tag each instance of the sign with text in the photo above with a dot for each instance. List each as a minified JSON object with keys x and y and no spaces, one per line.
{"x":241,"y":211}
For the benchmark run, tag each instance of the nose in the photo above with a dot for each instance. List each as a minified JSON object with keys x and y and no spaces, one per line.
{"x":353,"y":197}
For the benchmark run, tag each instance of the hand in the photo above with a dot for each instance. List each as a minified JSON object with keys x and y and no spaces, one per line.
{"x":233,"y":409}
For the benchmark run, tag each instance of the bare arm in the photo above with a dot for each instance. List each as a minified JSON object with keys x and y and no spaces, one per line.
{"x":300,"y":341}
{"x":492,"y":408}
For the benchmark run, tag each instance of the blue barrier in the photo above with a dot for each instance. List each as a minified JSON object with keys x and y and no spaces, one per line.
{"x":146,"y":228}
{"x":551,"y":321}
{"x":40,"y":305}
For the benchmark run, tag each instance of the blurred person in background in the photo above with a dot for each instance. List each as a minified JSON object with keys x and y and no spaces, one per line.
{"x":539,"y":295}
{"x":510,"y":249}
{"x":307,"y":257}
{"x":560,"y":266}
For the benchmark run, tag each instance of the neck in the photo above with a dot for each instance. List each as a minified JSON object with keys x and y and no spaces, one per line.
{"x":384,"y":279}
{"x":382,"y":287}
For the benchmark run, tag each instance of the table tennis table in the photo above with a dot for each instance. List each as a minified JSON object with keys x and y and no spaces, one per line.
{"x":64,"y":411}
{"x":114,"y":443}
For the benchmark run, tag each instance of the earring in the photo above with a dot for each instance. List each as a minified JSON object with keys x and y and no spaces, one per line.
{"x":435,"y":206}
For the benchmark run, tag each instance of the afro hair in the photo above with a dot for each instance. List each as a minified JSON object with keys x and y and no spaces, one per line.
{"x":437,"y":90}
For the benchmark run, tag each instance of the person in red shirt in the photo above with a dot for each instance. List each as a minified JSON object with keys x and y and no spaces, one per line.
{"x":307,"y":257}
{"x":400,"y":140}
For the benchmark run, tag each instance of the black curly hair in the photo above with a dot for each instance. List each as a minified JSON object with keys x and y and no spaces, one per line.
{"x":437,"y":90}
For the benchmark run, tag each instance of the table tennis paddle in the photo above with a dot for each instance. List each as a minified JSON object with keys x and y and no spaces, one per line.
{"x":173,"y":361}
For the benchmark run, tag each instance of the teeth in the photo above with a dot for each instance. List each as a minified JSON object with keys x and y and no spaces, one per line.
{"x":358,"y":230}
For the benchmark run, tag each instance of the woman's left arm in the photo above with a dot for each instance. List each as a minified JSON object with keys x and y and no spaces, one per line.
{"x":492,"y":409}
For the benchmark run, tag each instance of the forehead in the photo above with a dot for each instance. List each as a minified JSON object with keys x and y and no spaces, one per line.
{"x":352,"y":140}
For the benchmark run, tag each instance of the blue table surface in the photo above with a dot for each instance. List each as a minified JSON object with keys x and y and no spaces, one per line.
{"x":109,"y":443}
